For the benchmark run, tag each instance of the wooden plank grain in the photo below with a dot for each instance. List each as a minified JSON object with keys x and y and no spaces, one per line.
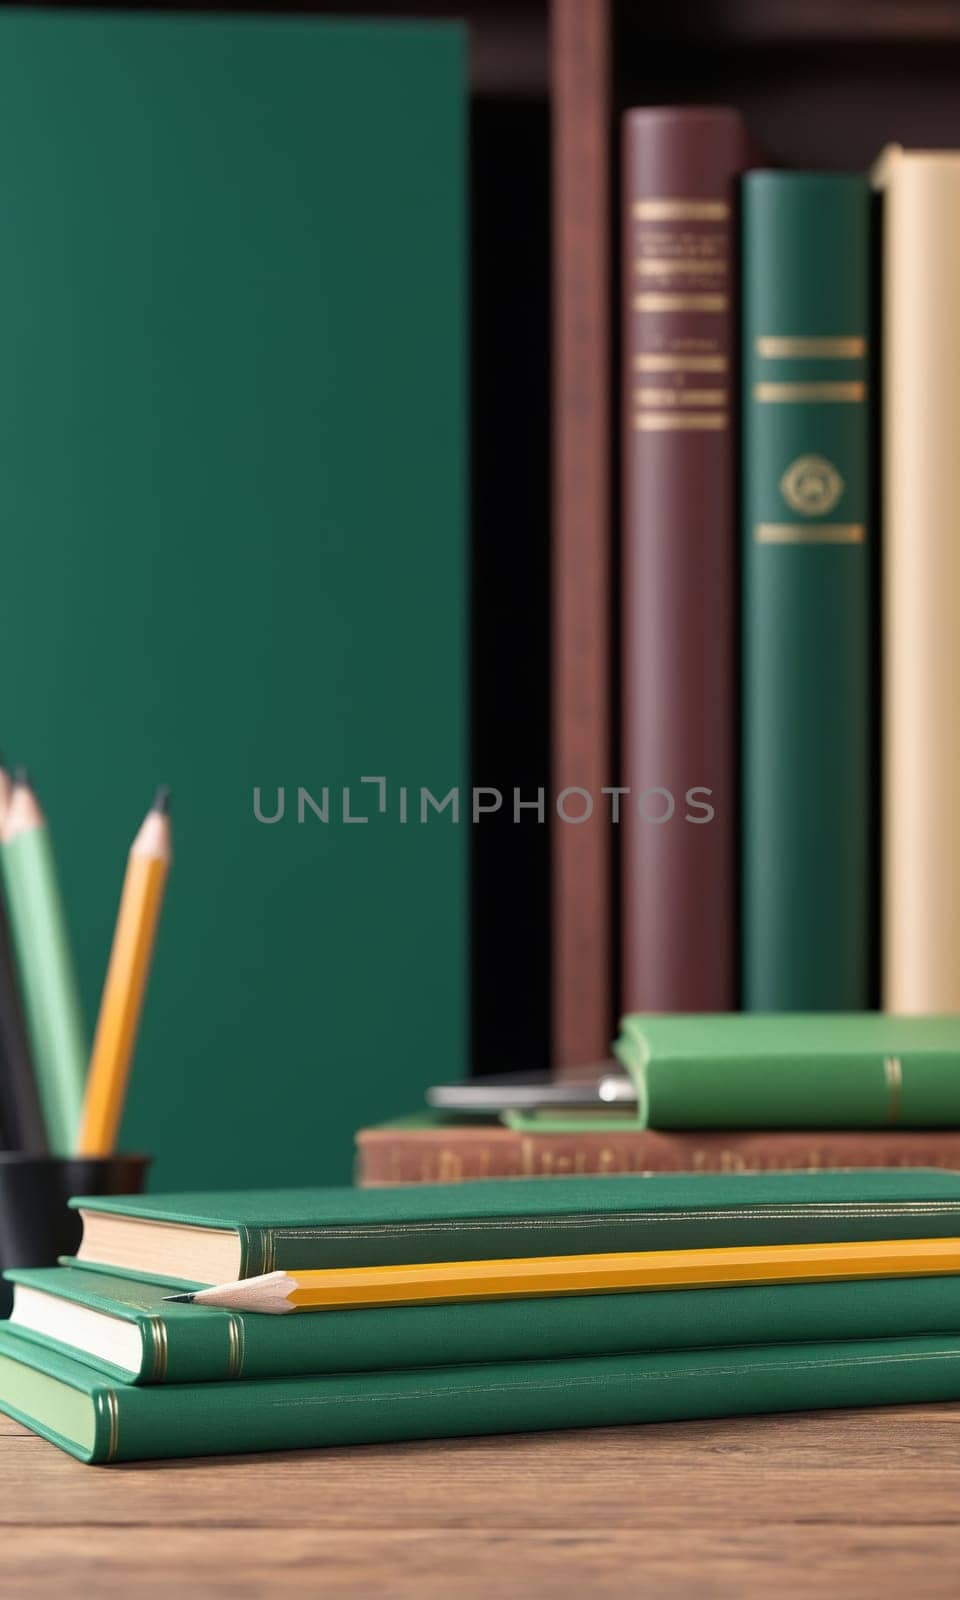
{"x":783,"y":1559}
{"x":581,"y":903}
{"x":825,"y":1469}
{"x":860,"y":1503}
{"x":271,"y":1494}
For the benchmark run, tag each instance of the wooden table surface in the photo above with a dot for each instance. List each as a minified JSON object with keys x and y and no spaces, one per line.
{"x":843,"y":1503}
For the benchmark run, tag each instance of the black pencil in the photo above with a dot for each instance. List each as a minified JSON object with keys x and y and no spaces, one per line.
{"x":21,"y":1118}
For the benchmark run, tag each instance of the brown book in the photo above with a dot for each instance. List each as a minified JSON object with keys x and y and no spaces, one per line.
{"x":679,"y":567}
{"x":410,"y":1153}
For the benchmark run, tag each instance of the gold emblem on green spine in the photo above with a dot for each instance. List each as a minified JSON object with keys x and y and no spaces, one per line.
{"x":812,"y":485}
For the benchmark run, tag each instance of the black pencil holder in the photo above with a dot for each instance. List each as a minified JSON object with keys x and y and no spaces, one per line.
{"x":36,"y":1224}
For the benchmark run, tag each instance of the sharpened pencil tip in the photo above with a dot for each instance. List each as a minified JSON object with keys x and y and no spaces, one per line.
{"x":182,"y":1298}
{"x":161,"y":800}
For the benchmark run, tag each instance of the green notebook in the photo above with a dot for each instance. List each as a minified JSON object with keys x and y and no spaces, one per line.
{"x":98,"y":1421}
{"x":126,"y":1330}
{"x":859,"y":1070}
{"x":233,"y":482}
{"x":210,"y":1238}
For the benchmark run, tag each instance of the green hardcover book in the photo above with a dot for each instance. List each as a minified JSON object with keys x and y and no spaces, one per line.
{"x":210,"y":1238}
{"x":97,"y":1421}
{"x":807,"y":792}
{"x":863,"y":1070}
{"x":128,"y":1331}
{"x":233,"y":478}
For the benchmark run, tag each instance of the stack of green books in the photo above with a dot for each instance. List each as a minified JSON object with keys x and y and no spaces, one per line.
{"x":98,"y":1360}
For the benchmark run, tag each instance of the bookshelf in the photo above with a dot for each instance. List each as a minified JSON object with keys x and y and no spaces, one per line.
{"x":821,"y":83}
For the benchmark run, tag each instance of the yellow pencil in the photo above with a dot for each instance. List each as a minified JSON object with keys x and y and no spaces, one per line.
{"x":535,"y":1276}
{"x":123,"y":991}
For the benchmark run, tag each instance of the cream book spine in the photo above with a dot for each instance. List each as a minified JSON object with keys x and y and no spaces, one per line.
{"x":920,"y":198}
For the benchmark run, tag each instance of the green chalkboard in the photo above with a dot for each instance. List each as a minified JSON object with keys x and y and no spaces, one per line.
{"x":232,"y":502}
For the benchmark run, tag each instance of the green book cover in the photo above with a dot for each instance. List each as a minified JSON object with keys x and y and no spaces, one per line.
{"x":807,"y":790}
{"x":97,"y":1421}
{"x":860,"y":1070}
{"x":129,"y":1332}
{"x":219,"y":1238}
{"x":233,"y":480}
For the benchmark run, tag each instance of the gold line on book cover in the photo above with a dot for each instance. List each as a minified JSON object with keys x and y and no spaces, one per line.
{"x":158,"y":1333}
{"x":656,"y":301}
{"x":845,"y":347}
{"x":680,"y":210}
{"x":680,"y":421}
{"x":234,"y":1346}
{"x":669,"y":363}
{"x":807,"y":393}
{"x":893,"y":1073}
{"x":809,"y":533}
{"x":107,"y":1406}
{"x":680,"y":397}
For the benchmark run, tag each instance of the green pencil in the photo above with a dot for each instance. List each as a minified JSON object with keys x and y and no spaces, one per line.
{"x":50,"y":993}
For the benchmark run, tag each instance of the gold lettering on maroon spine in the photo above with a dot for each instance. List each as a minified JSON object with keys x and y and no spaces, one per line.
{"x":679,"y":251}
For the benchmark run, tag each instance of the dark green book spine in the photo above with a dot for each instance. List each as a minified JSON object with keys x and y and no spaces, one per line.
{"x":583,"y":1235}
{"x":806,"y":599}
{"x":199,"y":1344}
{"x":77,"y":1410}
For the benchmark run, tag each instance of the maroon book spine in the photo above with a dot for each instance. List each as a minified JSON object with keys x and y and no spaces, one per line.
{"x":456,"y":1153}
{"x":678,"y":552}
